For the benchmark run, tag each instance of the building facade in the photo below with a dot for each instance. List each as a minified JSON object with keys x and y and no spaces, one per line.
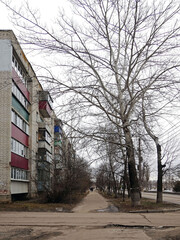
{"x":28,"y":125}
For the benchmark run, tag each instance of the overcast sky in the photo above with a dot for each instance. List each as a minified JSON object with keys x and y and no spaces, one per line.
{"x":48,"y":9}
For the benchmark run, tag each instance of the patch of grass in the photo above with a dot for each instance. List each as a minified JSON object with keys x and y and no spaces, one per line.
{"x":38,"y":206}
{"x":146,"y":204}
{"x":34,"y":207}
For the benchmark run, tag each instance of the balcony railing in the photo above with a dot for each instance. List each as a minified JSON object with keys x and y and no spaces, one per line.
{"x":45,"y":145}
{"x":43,"y":125}
{"x":45,"y":104}
{"x":44,"y":156}
{"x":58,"y":143}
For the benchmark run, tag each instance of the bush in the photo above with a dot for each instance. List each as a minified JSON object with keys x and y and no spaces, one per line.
{"x":177,"y":186}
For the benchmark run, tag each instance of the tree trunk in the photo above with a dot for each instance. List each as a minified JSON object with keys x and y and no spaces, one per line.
{"x":113,"y":177}
{"x":114,"y":185}
{"x":109,"y":184}
{"x":160,"y":175}
{"x":134,"y":184}
{"x":160,"y":166}
{"x":140,"y":167}
{"x":125,"y":180}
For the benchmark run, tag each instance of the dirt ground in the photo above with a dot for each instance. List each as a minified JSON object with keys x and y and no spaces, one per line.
{"x":167,"y":234}
{"x":94,"y":218}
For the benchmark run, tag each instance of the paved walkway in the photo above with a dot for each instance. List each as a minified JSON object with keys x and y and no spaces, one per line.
{"x":91,"y":203}
{"x":86,"y":223}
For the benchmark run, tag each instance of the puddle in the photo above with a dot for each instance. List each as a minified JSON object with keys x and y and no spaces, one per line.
{"x":110,"y":209}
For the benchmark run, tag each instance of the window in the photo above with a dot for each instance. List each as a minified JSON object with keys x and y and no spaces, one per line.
{"x":27,"y":129}
{"x":48,"y":137}
{"x":15,"y":119}
{"x":19,"y":174}
{"x":19,"y":122}
{"x":13,"y":60}
{"x":19,"y":148}
{"x":41,"y":135}
{"x":44,"y":136}
{"x":13,"y":145}
{"x":12,"y":116}
{"x":12,"y":172}
{"x":19,"y":70}
{"x":48,"y":157}
{"x":16,"y":65}
{"x":17,"y":93}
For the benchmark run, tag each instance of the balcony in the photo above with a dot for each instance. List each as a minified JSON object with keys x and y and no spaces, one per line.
{"x":45,"y":104}
{"x":57,"y":129}
{"x":19,"y":135}
{"x":44,"y":145}
{"x":58,"y":150}
{"x":57,"y":143}
{"x":43,"y":125}
{"x":44,"y":156}
{"x":19,"y":161}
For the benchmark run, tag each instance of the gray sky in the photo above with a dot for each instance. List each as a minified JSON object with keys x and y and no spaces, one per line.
{"x":48,"y":10}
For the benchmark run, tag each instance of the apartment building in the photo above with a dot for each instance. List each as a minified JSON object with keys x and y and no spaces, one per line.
{"x":27,"y":124}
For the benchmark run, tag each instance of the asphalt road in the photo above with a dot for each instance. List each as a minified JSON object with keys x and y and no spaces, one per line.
{"x":88,"y":223}
{"x":172,"y":198}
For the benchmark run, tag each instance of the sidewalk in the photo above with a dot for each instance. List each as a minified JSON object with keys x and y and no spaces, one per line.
{"x":91,"y":203}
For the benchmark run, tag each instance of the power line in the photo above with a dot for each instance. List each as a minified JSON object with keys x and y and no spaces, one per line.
{"x":170,"y":129}
{"x":172,"y":137}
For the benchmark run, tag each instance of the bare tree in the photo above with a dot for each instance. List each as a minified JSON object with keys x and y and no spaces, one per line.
{"x":112,"y":54}
{"x":151,"y":113}
{"x":159,"y":158}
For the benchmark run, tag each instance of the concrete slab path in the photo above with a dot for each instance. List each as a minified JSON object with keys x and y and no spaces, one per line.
{"x":91,"y":203}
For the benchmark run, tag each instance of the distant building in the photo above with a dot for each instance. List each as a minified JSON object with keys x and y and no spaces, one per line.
{"x":30,"y":132}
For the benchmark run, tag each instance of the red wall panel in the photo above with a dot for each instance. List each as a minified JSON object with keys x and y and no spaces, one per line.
{"x":45,"y":106}
{"x":19,"y":135}
{"x":18,"y":161}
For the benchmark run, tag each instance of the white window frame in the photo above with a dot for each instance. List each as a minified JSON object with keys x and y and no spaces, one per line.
{"x":19,"y":122}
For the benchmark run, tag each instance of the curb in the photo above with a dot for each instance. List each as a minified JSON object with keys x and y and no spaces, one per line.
{"x":156,"y":211}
